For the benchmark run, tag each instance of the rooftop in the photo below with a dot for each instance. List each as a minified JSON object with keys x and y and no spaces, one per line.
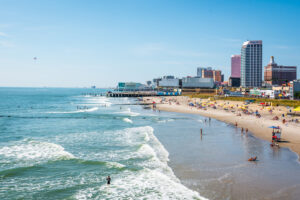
{"x":252,"y":42}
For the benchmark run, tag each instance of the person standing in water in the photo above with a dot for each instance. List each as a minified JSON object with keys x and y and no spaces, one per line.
{"x":108,"y":179}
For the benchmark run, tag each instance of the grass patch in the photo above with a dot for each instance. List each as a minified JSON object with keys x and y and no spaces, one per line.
{"x":202,"y":96}
{"x":280,"y":102}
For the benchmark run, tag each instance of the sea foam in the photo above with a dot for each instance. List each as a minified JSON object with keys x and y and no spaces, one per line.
{"x":155,"y":180}
{"x":30,"y":152}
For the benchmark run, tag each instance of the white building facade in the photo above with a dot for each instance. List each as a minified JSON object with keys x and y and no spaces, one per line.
{"x":251,"y":64}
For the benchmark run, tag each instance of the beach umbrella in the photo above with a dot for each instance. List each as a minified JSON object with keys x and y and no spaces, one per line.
{"x":297,"y":109}
{"x":262,"y":103}
{"x":276,"y":127}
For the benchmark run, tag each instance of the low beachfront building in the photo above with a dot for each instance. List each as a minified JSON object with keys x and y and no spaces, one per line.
{"x":295,"y":89}
{"x":234,"y":82}
{"x":192,"y":85}
{"x":131,"y":86}
{"x":197,"y":82}
{"x":266,"y":93}
{"x":272,"y":94}
{"x":169,"y":82}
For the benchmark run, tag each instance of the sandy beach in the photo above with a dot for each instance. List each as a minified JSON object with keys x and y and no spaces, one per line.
{"x":230,"y":112}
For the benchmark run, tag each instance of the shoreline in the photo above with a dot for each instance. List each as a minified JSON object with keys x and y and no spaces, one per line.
{"x":257,"y":126}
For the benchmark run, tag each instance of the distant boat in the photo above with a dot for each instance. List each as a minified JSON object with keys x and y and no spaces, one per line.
{"x":93,"y":86}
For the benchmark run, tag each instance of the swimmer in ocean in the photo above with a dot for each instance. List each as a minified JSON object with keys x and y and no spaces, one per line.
{"x":108,"y":179}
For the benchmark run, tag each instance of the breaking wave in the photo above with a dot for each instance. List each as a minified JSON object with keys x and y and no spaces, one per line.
{"x":76,"y":111}
{"x":154,"y":180}
{"x":30,"y":152}
{"x":127,"y":120}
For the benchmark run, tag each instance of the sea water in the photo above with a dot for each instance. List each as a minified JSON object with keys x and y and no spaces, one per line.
{"x":62,"y":144}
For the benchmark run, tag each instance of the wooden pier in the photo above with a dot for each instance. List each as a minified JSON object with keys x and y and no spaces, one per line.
{"x":131,"y":94}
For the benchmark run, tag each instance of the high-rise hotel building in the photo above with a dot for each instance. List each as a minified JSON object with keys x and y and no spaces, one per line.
{"x":278,"y":74}
{"x":251,"y":63}
{"x":236,"y":66}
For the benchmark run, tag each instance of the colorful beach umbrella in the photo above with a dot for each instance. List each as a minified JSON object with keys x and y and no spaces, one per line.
{"x":276,"y":127}
{"x":297,"y":109}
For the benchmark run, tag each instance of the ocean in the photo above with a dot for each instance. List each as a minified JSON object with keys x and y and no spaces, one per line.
{"x":61,"y":143}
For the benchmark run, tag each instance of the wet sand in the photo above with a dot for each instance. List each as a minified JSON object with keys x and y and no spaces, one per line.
{"x":216,"y":164}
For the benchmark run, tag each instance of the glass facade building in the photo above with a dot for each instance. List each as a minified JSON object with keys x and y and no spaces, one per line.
{"x":251,"y":64}
{"x":236,"y":66}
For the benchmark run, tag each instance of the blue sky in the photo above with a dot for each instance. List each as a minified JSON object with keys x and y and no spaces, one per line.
{"x":84,"y":43}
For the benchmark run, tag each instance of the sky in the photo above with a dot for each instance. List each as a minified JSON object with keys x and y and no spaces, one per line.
{"x":84,"y":43}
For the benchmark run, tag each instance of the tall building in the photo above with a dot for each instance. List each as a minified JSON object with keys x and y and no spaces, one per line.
{"x":199,"y":71}
{"x":217,"y":75}
{"x":236,"y":66}
{"x":251,"y":64}
{"x":208,"y":72}
{"x":278,"y":74}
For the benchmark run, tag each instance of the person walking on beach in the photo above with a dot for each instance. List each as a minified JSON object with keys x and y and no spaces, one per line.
{"x":108,"y":179}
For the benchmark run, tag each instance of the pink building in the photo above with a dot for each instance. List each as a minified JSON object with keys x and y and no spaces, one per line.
{"x":236,"y":66}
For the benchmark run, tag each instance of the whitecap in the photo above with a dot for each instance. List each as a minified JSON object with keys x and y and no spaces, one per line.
{"x":115,"y":165}
{"x":76,"y":111}
{"x":127,"y":120}
{"x":31,"y":152}
{"x":128,"y":112}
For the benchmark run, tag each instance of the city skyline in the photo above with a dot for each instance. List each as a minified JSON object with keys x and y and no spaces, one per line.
{"x":78,"y":44}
